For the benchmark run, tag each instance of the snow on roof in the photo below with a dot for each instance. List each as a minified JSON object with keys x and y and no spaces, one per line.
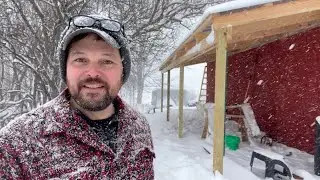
{"x":318,"y":119}
{"x":223,"y":7}
{"x":232,"y":5}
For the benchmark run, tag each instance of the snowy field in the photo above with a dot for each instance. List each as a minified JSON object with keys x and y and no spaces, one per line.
{"x":186,"y":159}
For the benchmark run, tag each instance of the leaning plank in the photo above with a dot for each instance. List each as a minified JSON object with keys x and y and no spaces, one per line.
{"x":250,"y":120}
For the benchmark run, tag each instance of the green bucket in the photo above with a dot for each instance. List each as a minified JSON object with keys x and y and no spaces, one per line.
{"x":232,"y":142}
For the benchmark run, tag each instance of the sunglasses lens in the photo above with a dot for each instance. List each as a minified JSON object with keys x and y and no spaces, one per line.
{"x":83,"y":21}
{"x":110,"y":25}
{"x":106,"y":24}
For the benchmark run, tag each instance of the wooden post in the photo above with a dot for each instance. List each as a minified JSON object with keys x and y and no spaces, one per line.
{"x":220,"y":98}
{"x":161,"y":106}
{"x":206,"y":124}
{"x":168,"y":96}
{"x":181,"y":82}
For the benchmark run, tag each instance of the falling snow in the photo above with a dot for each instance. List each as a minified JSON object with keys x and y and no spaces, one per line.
{"x":288,"y":101}
{"x":291,"y":46}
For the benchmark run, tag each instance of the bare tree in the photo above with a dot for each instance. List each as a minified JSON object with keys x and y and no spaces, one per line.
{"x":150,"y":25}
{"x":28,"y":38}
{"x":30,"y":30}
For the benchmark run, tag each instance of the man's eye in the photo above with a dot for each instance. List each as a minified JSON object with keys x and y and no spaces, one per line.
{"x":80,"y":60}
{"x":107,"y":62}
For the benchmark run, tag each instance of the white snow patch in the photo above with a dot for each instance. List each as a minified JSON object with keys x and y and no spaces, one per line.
{"x":145,"y":108}
{"x":291,"y":46}
{"x":304,"y":174}
{"x":232,"y":5}
{"x":210,"y":38}
{"x":269,"y":154}
{"x":194,"y":49}
{"x":260,"y":82}
{"x":185,"y":158}
{"x":218,"y":176}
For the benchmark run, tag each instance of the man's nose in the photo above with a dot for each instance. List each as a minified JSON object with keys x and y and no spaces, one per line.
{"x":93,"y":70}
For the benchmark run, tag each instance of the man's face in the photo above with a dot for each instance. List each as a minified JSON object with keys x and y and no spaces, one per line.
{"x":94,"y":73}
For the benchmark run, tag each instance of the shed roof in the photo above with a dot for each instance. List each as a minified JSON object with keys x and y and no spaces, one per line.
{"x":248,"y":25}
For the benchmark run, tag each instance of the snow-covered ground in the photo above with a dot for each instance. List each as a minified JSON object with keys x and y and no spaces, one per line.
{"x":186,"y":159}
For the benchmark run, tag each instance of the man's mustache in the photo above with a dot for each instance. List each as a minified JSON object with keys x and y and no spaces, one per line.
{"x":93,"y":80}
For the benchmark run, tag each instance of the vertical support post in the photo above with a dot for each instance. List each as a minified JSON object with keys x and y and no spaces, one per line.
{"x":220,"y":98}
{"x":168,"y":96}
{"x":161,"y":106}
{"x":181,"y":89}
{"x":317,"y":148}
{"x":206,"y":124}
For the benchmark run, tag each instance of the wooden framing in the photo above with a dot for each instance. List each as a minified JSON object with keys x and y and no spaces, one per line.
{"x":206,"y":124}
{"x":168,"y":96}
{"x":161,"y":106}
{"x":249,"y":28}
{"x":220,"y":98}
{"x":200,"y":36}
{"x":236,"y":31}
{"x":181,"y":89}
{"x":190,"y":45}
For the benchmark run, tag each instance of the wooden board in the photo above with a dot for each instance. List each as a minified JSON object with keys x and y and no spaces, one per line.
{"x":181,"y":82}
{"x":162,"y":78}
{"x":250,"y":28}
{"x":168,"y":96}
{"x":220,"y":98}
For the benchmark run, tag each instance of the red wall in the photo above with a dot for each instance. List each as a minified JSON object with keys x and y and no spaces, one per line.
{"x":288,"y":100}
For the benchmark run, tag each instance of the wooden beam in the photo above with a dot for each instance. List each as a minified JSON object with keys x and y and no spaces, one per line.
{"x":252,"y":25}
{"x":168,"y":96}
{"x":249,"y":42}
{"x":234,"y":106}
{"x":206,"y":124}
{"x":205,"y":25}
{"x":209,"y":56}
{"x":166,"y":62}
{"x":186,"y":58}
{"x":220,"y":98}
{"x":161,"y":106}
{"x":181,"y":82}
{"x":265,"y":28}
{"x":234,"y":116}
{"x":190,"y":45}
{"x":200,"y":36}
{"x":266,"y":13}
{"x":180,"y":53}
{"x":268,"y":4}
{"x":202,"y":28}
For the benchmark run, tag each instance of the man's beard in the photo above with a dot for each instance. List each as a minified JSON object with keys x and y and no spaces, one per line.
{"x":93,"y":105}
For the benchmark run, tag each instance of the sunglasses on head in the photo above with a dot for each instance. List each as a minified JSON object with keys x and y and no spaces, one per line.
{"x":100,"y":23}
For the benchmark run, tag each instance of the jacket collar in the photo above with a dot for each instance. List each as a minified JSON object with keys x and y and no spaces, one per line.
{"x":63,"y":119}
{"x":133,"y":130}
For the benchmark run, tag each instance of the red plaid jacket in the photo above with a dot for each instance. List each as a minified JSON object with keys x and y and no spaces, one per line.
{"x":52,"y":142}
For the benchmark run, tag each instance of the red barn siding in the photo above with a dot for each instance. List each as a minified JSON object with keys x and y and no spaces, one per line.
{"x":288,"y":100}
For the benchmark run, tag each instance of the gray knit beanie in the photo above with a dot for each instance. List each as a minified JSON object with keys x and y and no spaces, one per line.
{"x":116,"y":38}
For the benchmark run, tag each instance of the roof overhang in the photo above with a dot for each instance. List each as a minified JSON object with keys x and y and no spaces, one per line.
{"x":246,"y":29}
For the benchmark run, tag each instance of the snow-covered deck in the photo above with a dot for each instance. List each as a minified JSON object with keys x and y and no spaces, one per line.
{"x":186,"y":159}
